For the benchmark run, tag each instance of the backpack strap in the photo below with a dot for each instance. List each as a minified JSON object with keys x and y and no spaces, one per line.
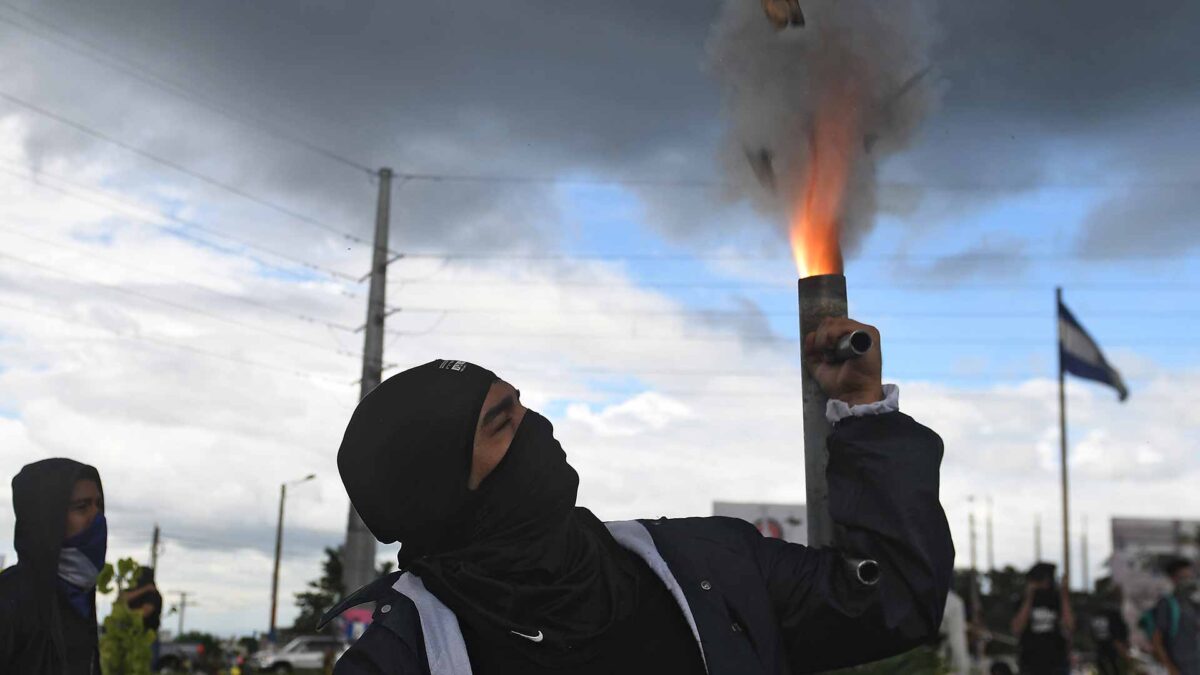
{"x":1173,"y":604}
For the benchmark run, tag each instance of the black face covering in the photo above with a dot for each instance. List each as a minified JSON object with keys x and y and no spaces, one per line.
{"x":520,"y":558}
{"x":407,"y":452}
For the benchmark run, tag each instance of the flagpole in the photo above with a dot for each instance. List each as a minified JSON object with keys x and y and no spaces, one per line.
{"x":1062,"y":434}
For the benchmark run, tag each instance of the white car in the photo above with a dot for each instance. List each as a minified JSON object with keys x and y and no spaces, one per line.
{"x":302,"y":653}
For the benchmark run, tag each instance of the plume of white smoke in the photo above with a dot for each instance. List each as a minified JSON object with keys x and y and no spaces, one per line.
{"x":775,"y":80}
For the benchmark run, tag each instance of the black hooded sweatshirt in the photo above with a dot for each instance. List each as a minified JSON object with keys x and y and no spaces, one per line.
{"x":40,"y":632}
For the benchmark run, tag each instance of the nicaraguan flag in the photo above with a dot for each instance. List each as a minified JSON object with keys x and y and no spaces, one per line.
{"x":1081,"y":356}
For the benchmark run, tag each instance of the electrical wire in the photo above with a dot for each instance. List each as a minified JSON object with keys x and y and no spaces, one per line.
{"x":202,"y":177}
{"x":144,"y":75}
{"x":155,"y":217}
{"x":180,"y":307}
{"x":524,"y":258}
{"x":175,"y":345}
{"x":784,"y":285}
{"x":750,"y":339}
{"x":180,"y":280}
{"x":707,"y":312}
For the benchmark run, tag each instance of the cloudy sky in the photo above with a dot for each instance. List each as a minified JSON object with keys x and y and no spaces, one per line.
{"x":186,"y":189}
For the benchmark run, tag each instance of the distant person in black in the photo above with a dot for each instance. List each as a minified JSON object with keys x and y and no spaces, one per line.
{"x":1044,"y":623}
{"x":1176,"y":625}
{"x":501,"y":572}
{"x":145,"y":599}
{"x":1110,"y":633}
{"x":48,"y":599}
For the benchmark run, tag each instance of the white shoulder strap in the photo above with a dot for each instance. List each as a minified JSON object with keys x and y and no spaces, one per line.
{"x":444,"y":644}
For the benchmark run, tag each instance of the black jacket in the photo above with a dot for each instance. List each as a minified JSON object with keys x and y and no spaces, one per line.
{"x":762,"y":605}
{"x":40,"y":633}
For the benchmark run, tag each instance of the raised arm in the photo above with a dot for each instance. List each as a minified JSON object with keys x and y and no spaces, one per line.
{"x":1020,"y":620}
{"x":883,"y":488}
{"x":883,"y":485}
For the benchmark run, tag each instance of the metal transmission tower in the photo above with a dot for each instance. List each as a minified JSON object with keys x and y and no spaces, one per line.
{"x":358,"y":554}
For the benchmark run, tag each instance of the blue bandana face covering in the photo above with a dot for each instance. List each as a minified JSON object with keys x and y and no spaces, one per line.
{"x":80,"y":562}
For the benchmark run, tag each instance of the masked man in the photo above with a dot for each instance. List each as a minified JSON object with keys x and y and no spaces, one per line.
{"x":502,"y":573}
{"x":48,"y":599}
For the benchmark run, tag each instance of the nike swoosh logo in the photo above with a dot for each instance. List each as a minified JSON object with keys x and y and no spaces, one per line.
{"x":532,"y":638}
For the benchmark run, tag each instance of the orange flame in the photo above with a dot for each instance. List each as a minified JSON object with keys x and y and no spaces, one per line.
{"x":816,"y":217}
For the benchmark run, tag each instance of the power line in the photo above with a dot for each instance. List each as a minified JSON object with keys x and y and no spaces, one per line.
{"x":708,"y":312}
{"x":775,"y":374}
{"x":158,"y":216}
{"x":144,"y":75}
{"x":178,"y":279}
{"x":789,"y":286}
{"x":703,"y":183}
{"x":174,"y":345}
{"x":181,"y":307}
{"x":141,"y":73}
{"x":734,"y":257}
{"x":425,"y":177}
{"x":204,"y":178}
{"x":753,"y":339}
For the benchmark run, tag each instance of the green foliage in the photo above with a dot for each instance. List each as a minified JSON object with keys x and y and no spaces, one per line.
{"x":324,"y":592}
{"x":321,"y":595}
{"x":920,"y":661}
{"x":124,"y":642}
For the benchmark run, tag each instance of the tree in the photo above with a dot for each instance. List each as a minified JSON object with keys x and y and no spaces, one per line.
{"x":323,"y":593}
{"x":124,"y":642}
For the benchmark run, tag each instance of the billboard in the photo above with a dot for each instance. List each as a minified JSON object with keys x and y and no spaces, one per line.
{"x":781,"y":521}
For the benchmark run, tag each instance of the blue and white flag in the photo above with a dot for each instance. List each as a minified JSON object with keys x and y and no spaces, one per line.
{"x":1081,"y":356}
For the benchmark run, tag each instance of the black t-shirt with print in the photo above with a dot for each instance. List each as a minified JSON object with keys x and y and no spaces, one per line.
{"x":1043,"y":643}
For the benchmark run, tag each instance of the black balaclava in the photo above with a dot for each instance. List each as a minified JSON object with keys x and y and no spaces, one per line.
{"x":514,"y":556}
{"x":1044,"y":597}
{"x":41,"y":496}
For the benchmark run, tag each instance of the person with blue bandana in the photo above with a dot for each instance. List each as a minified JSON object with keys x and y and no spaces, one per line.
{"x":48,"y":599}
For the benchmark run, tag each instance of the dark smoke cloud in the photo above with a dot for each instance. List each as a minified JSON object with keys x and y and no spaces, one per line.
{"x":986,"y":260}
{"x":1159,"y":221}
{"x":1031,"y":92}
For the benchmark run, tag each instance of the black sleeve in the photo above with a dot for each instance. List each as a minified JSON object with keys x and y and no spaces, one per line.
{"x":7,"y":638}
{"x":1120,"y":629}
{"x":391,"y":645}
{"x":883,"y":486}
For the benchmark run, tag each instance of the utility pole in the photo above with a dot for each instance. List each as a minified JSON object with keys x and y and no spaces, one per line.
{"x":154,"y":550}
{"x":275,"y":570}
{"x":1087,"y":584}
{"x":975,"y":619}
{"x":971,"y":531}
{"x":1037,"y":537}
{"x":991,"y":550}
{"x":183,"y":596}
{"x":279,"y":550}
{"x":358,"y":553}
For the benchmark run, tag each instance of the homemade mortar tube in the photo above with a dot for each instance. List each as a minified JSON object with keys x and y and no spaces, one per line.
{"x":822,"y":296}
{"x":851,"y":346}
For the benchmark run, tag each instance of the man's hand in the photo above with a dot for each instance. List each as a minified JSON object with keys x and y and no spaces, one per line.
{"x":855,"y":381}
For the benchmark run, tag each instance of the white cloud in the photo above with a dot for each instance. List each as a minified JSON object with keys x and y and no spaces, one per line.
{"x":195,"y":411}
{"x":641,"y":414}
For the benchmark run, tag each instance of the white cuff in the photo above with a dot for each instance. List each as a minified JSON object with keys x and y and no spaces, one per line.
{"x":836,"y":411}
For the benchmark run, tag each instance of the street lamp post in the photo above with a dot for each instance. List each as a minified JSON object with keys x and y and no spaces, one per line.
{"x":279,"y":549}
